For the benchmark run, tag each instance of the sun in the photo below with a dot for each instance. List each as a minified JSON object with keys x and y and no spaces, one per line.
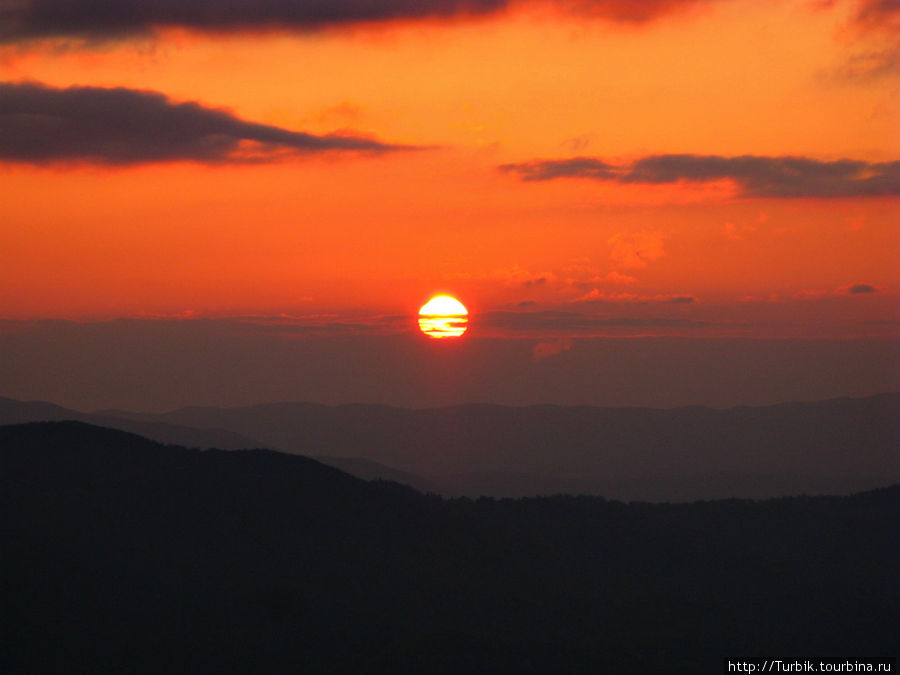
{"x":443,"y":317}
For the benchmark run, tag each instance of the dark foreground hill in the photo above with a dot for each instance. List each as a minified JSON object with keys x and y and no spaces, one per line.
{"x":122,"y":555}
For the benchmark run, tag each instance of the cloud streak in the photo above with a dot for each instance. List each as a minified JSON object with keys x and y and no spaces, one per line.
{"x":110,"y":19}
{"x":552,"y":320}
{"x":40,"y":124}
{"x":879,"y":14}
{"x":754,"y":176}
{"x":596,"y":296}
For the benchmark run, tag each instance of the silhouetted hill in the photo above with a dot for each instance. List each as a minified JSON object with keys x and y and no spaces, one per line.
{"x":123,"y":555}
{"x":835,"y":446}
{"x":18,"y":412}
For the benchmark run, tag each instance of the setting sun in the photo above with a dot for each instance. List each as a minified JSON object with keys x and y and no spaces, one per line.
{"x":443,"y":317}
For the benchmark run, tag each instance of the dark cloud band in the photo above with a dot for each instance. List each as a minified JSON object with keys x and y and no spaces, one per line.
{"x":40,"y":124}
{"x":107,"y":19}
{"x":98,"y":19}
{"x":755,"y":176}
{"x":111,"y":19}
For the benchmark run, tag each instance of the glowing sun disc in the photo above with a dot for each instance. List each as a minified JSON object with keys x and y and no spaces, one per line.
{"x":443,"y":317}
{"x":443,"y":305}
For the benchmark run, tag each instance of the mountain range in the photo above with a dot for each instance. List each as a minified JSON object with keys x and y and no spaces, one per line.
{"x":827,"y":447}
{"x":121,"y":554}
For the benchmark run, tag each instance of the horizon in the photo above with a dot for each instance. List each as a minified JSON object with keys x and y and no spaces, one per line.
{"x":362,"y":404}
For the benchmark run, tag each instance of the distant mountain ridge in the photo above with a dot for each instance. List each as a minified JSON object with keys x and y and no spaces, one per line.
{"x":836,"y":446}
{"x":18,"y":412}
{"x":839,"y":445}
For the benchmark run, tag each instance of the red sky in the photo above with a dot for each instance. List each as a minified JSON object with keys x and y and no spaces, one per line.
{"x":675,"y":172}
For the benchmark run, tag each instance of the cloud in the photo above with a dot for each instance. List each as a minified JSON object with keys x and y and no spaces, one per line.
{"x":576,"y":167}
{"x":631,"y":11}
{"x":755,"y":176}
{"x":542,"y":350}
{"x":634,"y":251}
{"x":40,"y":124}
{"x":617,"y":278}
{"x":861,"y":288}
{"x":597,"y":296}
{"x":554,"y":320}
{"x":882,"y":15}
{"x":819,"y":293}
{"x":578,"y":143}
{"x":104,"y":19}
{"x":518,"y":276}
{"x":875,"y":30}
{"x":107,"y":19}
{"x":869,"y":65}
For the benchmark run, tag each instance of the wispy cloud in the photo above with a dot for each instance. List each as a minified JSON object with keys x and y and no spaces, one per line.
{"x":551,"y":320}
{"x":754,"y":176}
{"x":873,"y":33}
{"x":596,"y":296}
{"x":617,"y":278}
{"x":881,"y":15}
{"x":41,"y":124}
{"x":635,"y":250}
{"x":870,"y":65}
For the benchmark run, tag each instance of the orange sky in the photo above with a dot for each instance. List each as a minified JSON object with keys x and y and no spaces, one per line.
{"x":352,"y":234}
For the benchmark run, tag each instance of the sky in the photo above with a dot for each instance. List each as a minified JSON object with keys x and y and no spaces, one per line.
{"x":572,"y":171}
